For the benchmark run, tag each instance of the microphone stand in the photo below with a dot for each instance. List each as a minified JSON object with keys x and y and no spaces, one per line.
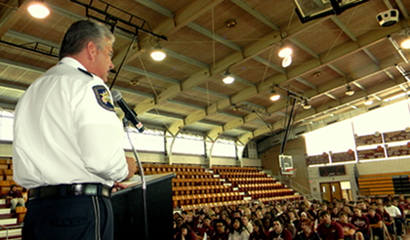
{"x":143,"y":183}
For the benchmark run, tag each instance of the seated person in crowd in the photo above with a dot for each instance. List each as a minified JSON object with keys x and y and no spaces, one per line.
{"x":279,"y":232}
{"x":376,"y":223}
{"x":349,"y":211}
{"x":363,"y":207}
{"x":361,"y":222}
{"x":307,"y":233}
{"x":259,"y":232}
{"x":185,"y":233}
{"x":247,"y":224}
{"x":335,"y":214}
{"x":348,"y":229}
{"x":206,"y":228}
{"x":238,"y":231}
{"x":221,"y":232}
{"x":328,"y":229}
{"x":395,"y":213}
{"x":15,"y":197}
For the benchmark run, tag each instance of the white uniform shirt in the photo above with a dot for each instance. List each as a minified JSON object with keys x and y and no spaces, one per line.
{"x":66,"y":132}
{"x":393,"y":211}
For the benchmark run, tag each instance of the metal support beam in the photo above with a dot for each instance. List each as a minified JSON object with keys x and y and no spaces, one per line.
{"x":213,"y":36}
{"x":332,"y":96}
{"x":359,"y":86}
{"x":156,"y":7}
{"x":337,"y":70}
{"x":244,"y":81}
{"x":403,"y":9}
{"x":371,"y":56}
{"x":303,"y":81}
{"x":256,"y":14}
{"x":206,"y":91}
{"x":269,"y":64}
{"x":304,"y":47}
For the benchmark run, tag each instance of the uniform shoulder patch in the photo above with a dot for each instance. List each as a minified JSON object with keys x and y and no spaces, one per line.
{"x":103,"y":97}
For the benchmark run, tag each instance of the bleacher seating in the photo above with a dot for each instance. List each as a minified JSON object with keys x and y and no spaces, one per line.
{"x":384,"y":184}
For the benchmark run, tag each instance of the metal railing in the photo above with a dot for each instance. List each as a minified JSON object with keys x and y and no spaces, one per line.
{"x":302,"y":190}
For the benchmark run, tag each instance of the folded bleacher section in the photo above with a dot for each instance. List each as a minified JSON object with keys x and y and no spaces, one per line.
{"x":384,"y":184}
{"x":195,"y":186}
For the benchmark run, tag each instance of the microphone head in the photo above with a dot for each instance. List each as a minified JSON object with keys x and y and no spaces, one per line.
{"x":116,"y":95}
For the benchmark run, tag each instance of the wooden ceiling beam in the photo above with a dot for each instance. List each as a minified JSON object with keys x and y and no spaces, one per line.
{"x":11,"y":15}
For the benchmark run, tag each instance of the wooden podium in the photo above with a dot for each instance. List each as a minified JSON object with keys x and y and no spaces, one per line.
{"x":129,"y":213}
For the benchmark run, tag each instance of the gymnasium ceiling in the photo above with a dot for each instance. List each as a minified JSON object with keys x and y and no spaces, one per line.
{"x":185,"y":92}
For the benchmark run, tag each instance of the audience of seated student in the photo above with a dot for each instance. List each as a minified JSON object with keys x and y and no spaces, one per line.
{"x":279,"y":232}
{"x":348,"y":229}
{"x":185,"y":233}
{"x":259,"y":232}
{"x":395,"y":202}
{"x":238,"y":231}
{"x":15,"y":197}
{"x":247,"y":224}
{"x":395,"y":213}
{"x":361,"y":222}
{"x":328,"y":229}
{"x":221,"y":232}
{"x":313,"y":211}
{"x":280,"y":221}
{"x":308,"y":232}
{"x":376,"y":223}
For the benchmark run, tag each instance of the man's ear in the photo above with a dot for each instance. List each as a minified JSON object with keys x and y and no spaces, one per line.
{"x":91,"y":50}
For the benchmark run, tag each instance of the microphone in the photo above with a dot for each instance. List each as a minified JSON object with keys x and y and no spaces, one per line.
{"x":129,"y":113}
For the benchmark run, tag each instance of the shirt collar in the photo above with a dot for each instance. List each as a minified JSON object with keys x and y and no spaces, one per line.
{"x":72,"y":62}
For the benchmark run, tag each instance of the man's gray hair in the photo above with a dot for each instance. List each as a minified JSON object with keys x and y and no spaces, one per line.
{"x":82,"y":32}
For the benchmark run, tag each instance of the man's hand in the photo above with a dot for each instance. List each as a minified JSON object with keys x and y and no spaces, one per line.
{"x":132,"y":167}
{"x":118,"y":186}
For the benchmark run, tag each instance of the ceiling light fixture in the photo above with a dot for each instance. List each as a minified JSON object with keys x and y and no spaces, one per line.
{"x":228,"y":79}
{"x":287,"y":61}
{"x":306,"y":105}
{"x":274,"y":95}
{"x":158,"y":54}
{"x":349,"y":90}
{"x":285,"y":52}
{"x":38,"y":10}
{"x":367,"y":101}
{"x":406,"y":43}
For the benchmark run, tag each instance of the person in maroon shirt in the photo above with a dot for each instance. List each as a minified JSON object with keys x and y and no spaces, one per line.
{"x":259,"y":232}
{"x":376,"y":223}
{"x":328,"y":229}
{"x":348,"y":229}
{"x":221,"y":232}
{"x":279,"y":232}
{"x":206,"y":228}
{"x":15,"y":197}
{"x":185,"y":233}
{"x":361,"y":223}
{"x":307,"y":233}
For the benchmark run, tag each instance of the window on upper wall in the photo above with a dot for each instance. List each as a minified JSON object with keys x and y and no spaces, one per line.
{"x":391,"y":118}
{"x":149,"y":140}
{"x":6,"y":126}
{"x":337,"y":137}
{"x":189,"y":144}
{"x":224,"y":148}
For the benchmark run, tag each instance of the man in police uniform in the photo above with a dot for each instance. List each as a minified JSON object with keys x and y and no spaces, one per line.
{"x":67,"y":141}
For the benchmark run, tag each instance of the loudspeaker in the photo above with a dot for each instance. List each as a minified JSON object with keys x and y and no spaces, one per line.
{"x":388,"y":18}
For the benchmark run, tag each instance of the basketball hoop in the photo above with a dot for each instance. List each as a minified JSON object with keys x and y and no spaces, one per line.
{"x":291,"y":172}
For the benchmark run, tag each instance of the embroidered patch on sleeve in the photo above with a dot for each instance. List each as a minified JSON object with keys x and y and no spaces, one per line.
{"x":103,"y":98}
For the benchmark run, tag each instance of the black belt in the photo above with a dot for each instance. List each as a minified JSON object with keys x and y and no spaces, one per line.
{"x":81,"y":189}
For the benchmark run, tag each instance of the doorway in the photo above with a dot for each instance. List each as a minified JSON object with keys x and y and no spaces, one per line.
{"x":330,"y":190}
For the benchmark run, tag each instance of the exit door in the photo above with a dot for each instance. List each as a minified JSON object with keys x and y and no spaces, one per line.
{"x":330,"y":190}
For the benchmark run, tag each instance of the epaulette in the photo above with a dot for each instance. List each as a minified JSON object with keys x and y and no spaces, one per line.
{"x":84,"y":71}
